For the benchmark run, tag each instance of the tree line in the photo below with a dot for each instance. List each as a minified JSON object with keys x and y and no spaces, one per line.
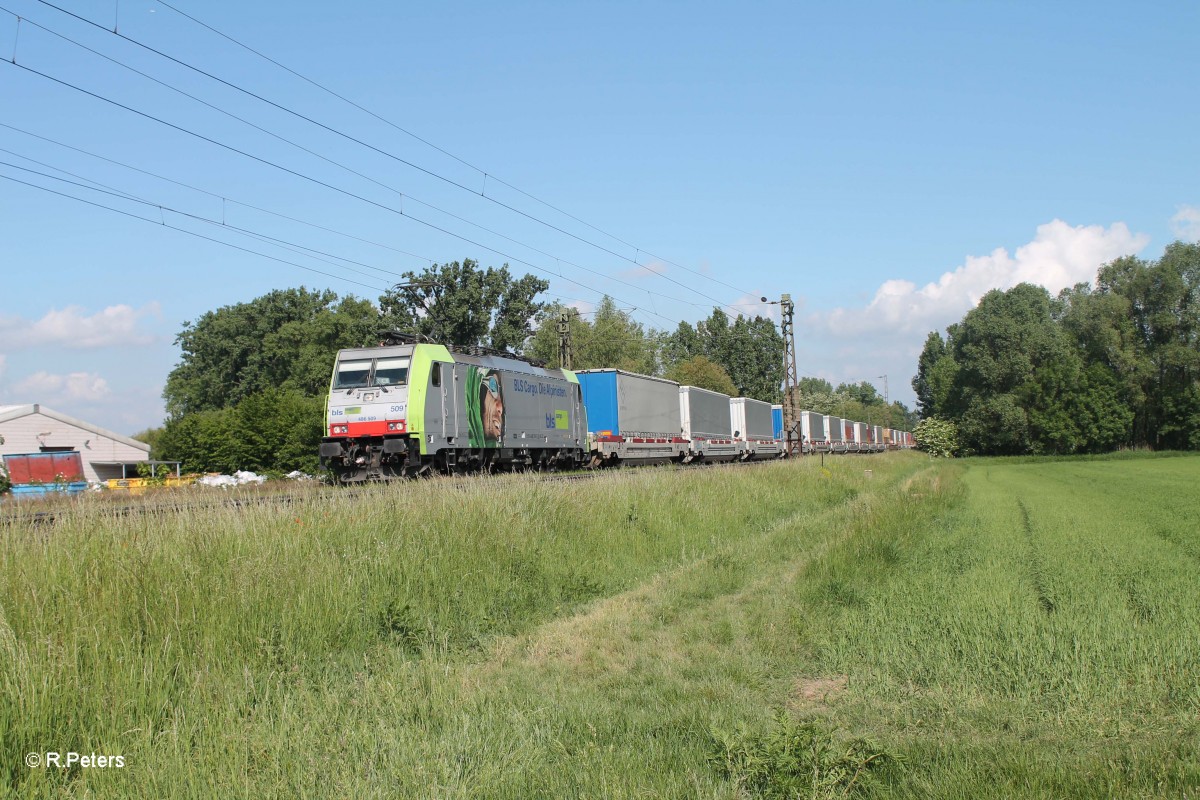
{"x":248,"y":391}
{"x":1095,"y":368}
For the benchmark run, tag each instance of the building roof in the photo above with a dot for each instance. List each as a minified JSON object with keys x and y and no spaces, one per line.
{"x":14,"y":412}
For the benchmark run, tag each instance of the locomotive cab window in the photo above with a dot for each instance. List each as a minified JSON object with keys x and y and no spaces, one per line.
{"x":436,"y":374}
{"x":352,"y":374}
{"x":391,"y":372}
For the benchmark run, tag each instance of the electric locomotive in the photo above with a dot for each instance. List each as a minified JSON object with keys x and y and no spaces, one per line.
{"x":403,"y":410}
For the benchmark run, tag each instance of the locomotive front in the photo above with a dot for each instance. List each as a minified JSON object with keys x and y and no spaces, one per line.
{"x":366,"y":415}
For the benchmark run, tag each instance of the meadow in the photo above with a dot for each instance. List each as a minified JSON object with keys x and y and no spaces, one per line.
{"x":885,"y":626}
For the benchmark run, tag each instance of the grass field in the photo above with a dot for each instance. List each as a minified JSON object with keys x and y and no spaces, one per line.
{"x":927,"y":629}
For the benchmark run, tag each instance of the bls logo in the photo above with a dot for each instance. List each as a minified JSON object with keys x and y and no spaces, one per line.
{"x":559,"y":420}
{"x":550,"y":422}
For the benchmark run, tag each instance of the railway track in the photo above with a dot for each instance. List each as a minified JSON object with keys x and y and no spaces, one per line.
{"x":16,"y":517}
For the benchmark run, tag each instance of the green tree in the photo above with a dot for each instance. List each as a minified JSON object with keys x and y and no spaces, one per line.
{"x":701,"y":371}
{"x":810,"y":385}
{"x":271,"y":431}
{"x":286,"y":339}
{"x":936,"y":371}
{"x":998,"y":347}
{"x":150,"y":436}
{"x":1163,"y":361}
{"x":461,"y":303}
{"x":863,"y":392}
{"x":611,"y":338}
{"x":749,"y":350}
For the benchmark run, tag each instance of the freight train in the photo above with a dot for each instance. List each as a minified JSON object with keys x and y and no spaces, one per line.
{"x":401,"y":410}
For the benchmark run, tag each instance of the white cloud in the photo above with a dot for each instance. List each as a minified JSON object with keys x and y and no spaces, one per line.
{"x":115,"y":326}
{"x":1186,"y":223}
{"x":3,"y":366}
{"x":45,"y":387}
{"x":1059,"y":256}
{"x":886,"y":335}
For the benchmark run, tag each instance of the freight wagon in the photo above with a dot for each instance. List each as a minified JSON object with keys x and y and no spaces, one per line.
{"x":835,"y":431}
{"x":753,"y":429}
{"x":705,"y":421}
{"x":815,"y":432}
{"x":631,"y":418}
{"x":862,"y":438}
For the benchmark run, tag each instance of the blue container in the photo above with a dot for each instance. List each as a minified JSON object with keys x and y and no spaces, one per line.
{"x":625,"y":403}
{"x":30,"y":491}
{"x":777,"y":420}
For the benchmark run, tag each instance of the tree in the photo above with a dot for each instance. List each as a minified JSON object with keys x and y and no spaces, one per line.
{"x":610,"y":339}
{"x":1163,"y":304}
{"x":862,"y":392}
{"x":702,"y":372}
{"x":808,"y":385}
{"x":286,"y":339}
{"x":460,"y":303}
{"x":997,"y":347}
{"x":749,"y":350}
{"x":1086,"y":371}
{"x":151,"y":437}
{"x":936,"y":371}
{"x":274,"y":430}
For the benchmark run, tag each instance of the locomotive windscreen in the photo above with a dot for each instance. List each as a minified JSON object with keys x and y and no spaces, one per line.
{"x":391,"y":372}
{"x":352,"y":374}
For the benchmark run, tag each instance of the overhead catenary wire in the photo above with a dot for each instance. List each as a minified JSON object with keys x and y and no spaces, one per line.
{"x":164,"y":223}
{"x":162,"y":208}
{"x":334,"y":188}
{"x":279,"y":242}
{"x":124,"y":195}
{"x":118,"y":193}
{"x":222,"y":198}
{"x":486,"y":175}
{"x":393,"y":156}
{"x":324,"y":158}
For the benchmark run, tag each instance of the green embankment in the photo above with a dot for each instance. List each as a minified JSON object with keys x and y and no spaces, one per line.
{"x":929,"y":629}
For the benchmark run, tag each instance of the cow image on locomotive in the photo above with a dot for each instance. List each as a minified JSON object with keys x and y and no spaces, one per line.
{"x":403,"y":410}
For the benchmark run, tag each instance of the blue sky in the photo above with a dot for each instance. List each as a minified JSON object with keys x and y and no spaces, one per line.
{"x":885,"y":163}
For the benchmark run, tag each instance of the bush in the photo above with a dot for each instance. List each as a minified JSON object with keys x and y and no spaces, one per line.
{"x":936,"y":436}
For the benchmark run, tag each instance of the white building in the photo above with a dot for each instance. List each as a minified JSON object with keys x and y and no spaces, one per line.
{"x":37,"y":429}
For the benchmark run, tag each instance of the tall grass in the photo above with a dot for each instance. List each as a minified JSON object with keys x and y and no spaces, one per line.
{"x":1039,"y":639}
{"x":207,"y":646}
{"x":931,"y":629}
